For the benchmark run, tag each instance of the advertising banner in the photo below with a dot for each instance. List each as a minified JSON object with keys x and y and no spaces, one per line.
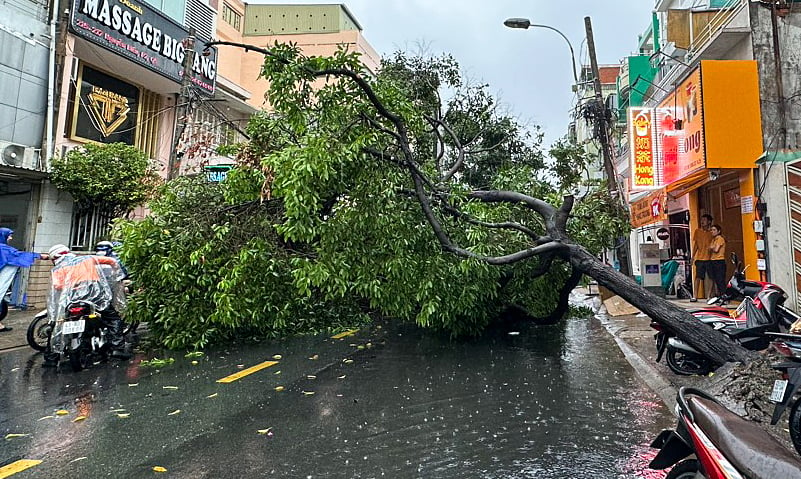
{"x":144,"y":36}
{"x":106,"y":108}
{"x":651,"y":208}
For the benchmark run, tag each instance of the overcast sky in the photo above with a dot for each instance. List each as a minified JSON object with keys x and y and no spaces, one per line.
{"x":529,"y":70}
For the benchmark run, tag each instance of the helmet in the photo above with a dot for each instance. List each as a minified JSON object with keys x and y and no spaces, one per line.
{"x":104,"y":248}
{"x":58,"y":251}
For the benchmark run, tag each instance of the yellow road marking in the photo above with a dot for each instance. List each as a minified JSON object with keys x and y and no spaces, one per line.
{"x":18,"y":466}
{"x":245,"y":372}
{"x":344,"y":334}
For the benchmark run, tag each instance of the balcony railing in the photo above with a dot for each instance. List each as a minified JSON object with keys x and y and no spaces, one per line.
{"x":723,"y":17}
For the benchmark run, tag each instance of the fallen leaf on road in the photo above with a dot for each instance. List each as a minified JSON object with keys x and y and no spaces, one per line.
{"x":133,"y":385}
{"x":62,"y":412}
{"x":315,"y":357}
{"x":308,"y":393}
{"x":159,"y":469}
{"x":79,"y":419}
{"x":347,"y":361}
{"x":194,"y":354}
{"x":14,"y":436}
{"x":46,"y":417}
{"x":194,"y":363}
{"x":277,"y":372}
{"x":157,"y":363}
{"x":78,"y":459}
{"x":123,"y":415}
{"x":341,"y":377}
{"x":277,"y":356}
{"x":279,"y":388}
{"x":212,"y":395}
{"x":177,"y":411}
{"x":311,"y":376}
{"x":169,"y":387}
{"x":268,"y":431}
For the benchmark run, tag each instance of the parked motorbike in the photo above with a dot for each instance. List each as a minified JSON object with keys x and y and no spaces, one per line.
{"x":761,"y":310}
{"x":725,"y":445}
{"x":785,"y":391}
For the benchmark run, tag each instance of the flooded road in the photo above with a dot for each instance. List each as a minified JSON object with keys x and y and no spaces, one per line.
{"x":549,"y":402}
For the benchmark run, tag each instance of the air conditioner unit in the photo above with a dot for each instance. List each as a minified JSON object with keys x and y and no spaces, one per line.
{"x":20,"y":156}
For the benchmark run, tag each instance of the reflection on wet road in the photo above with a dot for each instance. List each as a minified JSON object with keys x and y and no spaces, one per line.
{"x":556,"y":402}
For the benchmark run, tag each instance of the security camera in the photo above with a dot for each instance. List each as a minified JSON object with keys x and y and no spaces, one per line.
{"x":714,"y":174}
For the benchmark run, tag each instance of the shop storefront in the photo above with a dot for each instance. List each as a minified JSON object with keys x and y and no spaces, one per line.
{"x":698,"y":148}
{"x":121,"y":76}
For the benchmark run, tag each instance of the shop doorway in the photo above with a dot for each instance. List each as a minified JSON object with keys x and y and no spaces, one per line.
{"x":721,"y":199}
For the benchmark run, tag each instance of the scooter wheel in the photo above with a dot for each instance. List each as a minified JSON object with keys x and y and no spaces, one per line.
{"x":39,"y":332}
{"x":687,"y":364}
{"x":80,"y":357}
{"x":684,"y":470}
{"x":795,"y":425}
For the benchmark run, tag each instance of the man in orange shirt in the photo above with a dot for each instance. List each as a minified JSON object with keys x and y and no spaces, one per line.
{"x":702,"y":237}
{"x":76,"y":278}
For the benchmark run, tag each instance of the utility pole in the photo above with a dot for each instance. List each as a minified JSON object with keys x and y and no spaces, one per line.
{"x":607,"y":149}
{"x":183,"y":103}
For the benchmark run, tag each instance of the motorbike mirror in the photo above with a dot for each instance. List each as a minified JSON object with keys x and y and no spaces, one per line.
{"x":712,"y":300}
{"x":733,"y":258}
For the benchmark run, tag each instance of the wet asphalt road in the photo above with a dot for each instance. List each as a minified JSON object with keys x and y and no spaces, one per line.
{"x":556,"y":402}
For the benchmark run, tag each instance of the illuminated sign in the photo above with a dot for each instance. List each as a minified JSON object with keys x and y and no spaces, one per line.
{"x":143,"y":35}
{"x":681,"y":117}
{"x":106,"y":108}
{"x":642,"y":134}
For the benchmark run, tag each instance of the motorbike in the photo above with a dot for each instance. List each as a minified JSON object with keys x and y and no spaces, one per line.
{"x":85,"y":337}
{"x":724,"y":445}
{"x":41,"y":327}
{"x":761,"y":310}
{"x":785,"y":391}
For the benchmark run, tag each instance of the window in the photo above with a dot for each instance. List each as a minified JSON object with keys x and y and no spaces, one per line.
{"x":232,"y":17}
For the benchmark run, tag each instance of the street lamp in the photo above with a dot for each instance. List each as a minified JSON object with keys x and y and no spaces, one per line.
{"x":525,"y":23}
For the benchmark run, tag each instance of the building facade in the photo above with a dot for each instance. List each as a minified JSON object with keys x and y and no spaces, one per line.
{"x":715,"y":132}
{"x":112,"y":71}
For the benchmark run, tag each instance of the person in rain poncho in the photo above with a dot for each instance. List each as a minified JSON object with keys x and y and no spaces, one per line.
{"x":92,"y":278}
{"x":11,"y":260}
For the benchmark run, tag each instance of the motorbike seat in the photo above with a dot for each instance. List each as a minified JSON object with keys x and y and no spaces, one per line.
{"x":753,"y":451}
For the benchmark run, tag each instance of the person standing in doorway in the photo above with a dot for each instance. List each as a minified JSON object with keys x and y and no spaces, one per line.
{"x":717,"y":259}
{"x":702,"y":238}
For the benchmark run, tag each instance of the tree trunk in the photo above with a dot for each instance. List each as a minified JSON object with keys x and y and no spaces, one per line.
{"x":715,"y":345}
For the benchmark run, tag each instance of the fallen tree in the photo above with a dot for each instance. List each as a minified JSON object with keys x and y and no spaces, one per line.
{"x":379,"y":125}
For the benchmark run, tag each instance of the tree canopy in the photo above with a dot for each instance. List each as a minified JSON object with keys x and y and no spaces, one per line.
{"x":114,"y":177}
{"x":347,"y":195}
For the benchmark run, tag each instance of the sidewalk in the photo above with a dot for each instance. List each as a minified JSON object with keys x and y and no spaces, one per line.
{"x":19,"y":321}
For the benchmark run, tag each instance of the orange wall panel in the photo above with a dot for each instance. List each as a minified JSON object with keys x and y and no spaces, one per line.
{"x":732,"y":122}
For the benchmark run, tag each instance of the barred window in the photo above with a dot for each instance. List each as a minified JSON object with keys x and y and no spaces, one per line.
{"x":231,"y":16}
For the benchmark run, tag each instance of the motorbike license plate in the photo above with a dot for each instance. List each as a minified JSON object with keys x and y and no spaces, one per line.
{"x":73,"y":327}
{"x":779,"y":387}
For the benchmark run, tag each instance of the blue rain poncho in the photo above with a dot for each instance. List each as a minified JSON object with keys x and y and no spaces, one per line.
{"x":11,"y":256}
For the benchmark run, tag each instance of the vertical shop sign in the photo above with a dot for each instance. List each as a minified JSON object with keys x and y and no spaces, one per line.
{"x":643,"y":149}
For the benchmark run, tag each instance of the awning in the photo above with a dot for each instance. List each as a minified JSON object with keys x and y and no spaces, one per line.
{"x":688,"y":183}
